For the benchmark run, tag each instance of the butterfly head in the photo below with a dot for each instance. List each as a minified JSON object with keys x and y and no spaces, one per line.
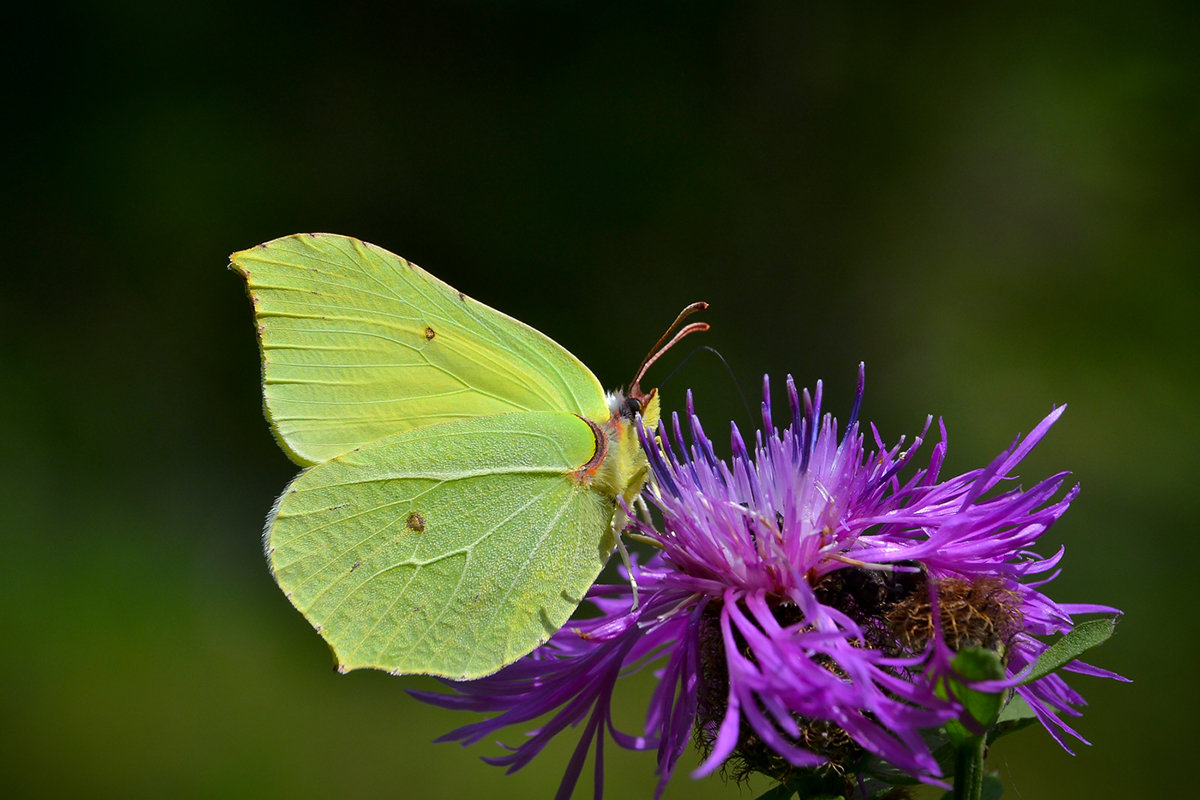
{"x":626,"y":407}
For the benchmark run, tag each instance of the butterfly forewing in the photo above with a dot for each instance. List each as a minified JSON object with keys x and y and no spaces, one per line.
{"x":359,"y":344}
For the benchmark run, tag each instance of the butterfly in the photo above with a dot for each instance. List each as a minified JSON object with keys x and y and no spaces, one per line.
{"x":465,"y":476}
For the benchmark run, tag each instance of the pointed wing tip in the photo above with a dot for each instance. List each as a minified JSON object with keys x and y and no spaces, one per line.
{"x":237,"y":260}
{"x":290,"y":237}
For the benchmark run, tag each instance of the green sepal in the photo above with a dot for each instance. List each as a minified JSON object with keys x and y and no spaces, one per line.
{"x":1072,"y":645}
{"x":957,"y":733}
{"x":972,"y":665}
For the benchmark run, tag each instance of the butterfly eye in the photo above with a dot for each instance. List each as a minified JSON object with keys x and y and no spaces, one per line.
{"x":633,"y":407}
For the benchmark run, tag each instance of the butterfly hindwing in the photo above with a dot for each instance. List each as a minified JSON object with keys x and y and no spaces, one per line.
{"x":448,"y":550}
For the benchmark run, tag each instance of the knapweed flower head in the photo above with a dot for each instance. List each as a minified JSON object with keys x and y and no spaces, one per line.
{"x":804,"y":607}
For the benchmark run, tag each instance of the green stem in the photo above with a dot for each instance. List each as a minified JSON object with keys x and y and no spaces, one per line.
{"x":968,"y":769}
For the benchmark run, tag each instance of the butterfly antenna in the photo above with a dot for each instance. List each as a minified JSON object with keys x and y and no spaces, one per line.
{"x":667,"y":341}
{"x":728,"y":369}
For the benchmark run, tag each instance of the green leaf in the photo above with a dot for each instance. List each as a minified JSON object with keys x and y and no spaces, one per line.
{"x":778,"y":792}
{"x":992,"y":788}
{"x":877,"y":769}
{"x":1016,"y":710}
{"x":1016,"y":715}
{"x":1071,"y":646}
{"x":873,"y":792}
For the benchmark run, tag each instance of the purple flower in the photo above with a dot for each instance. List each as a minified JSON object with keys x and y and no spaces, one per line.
{"x":803,"y":605}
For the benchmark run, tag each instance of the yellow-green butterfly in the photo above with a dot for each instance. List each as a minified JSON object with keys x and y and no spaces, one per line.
{"x":463,"y":470}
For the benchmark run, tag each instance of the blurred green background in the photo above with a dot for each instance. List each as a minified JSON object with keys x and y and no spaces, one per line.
{"x":996,"y":209}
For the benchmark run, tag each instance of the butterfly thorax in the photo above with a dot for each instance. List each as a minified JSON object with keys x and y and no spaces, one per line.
{"x":619,"y":468}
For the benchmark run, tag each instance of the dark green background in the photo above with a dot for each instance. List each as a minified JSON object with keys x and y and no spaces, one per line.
{"x":995,"y":209}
